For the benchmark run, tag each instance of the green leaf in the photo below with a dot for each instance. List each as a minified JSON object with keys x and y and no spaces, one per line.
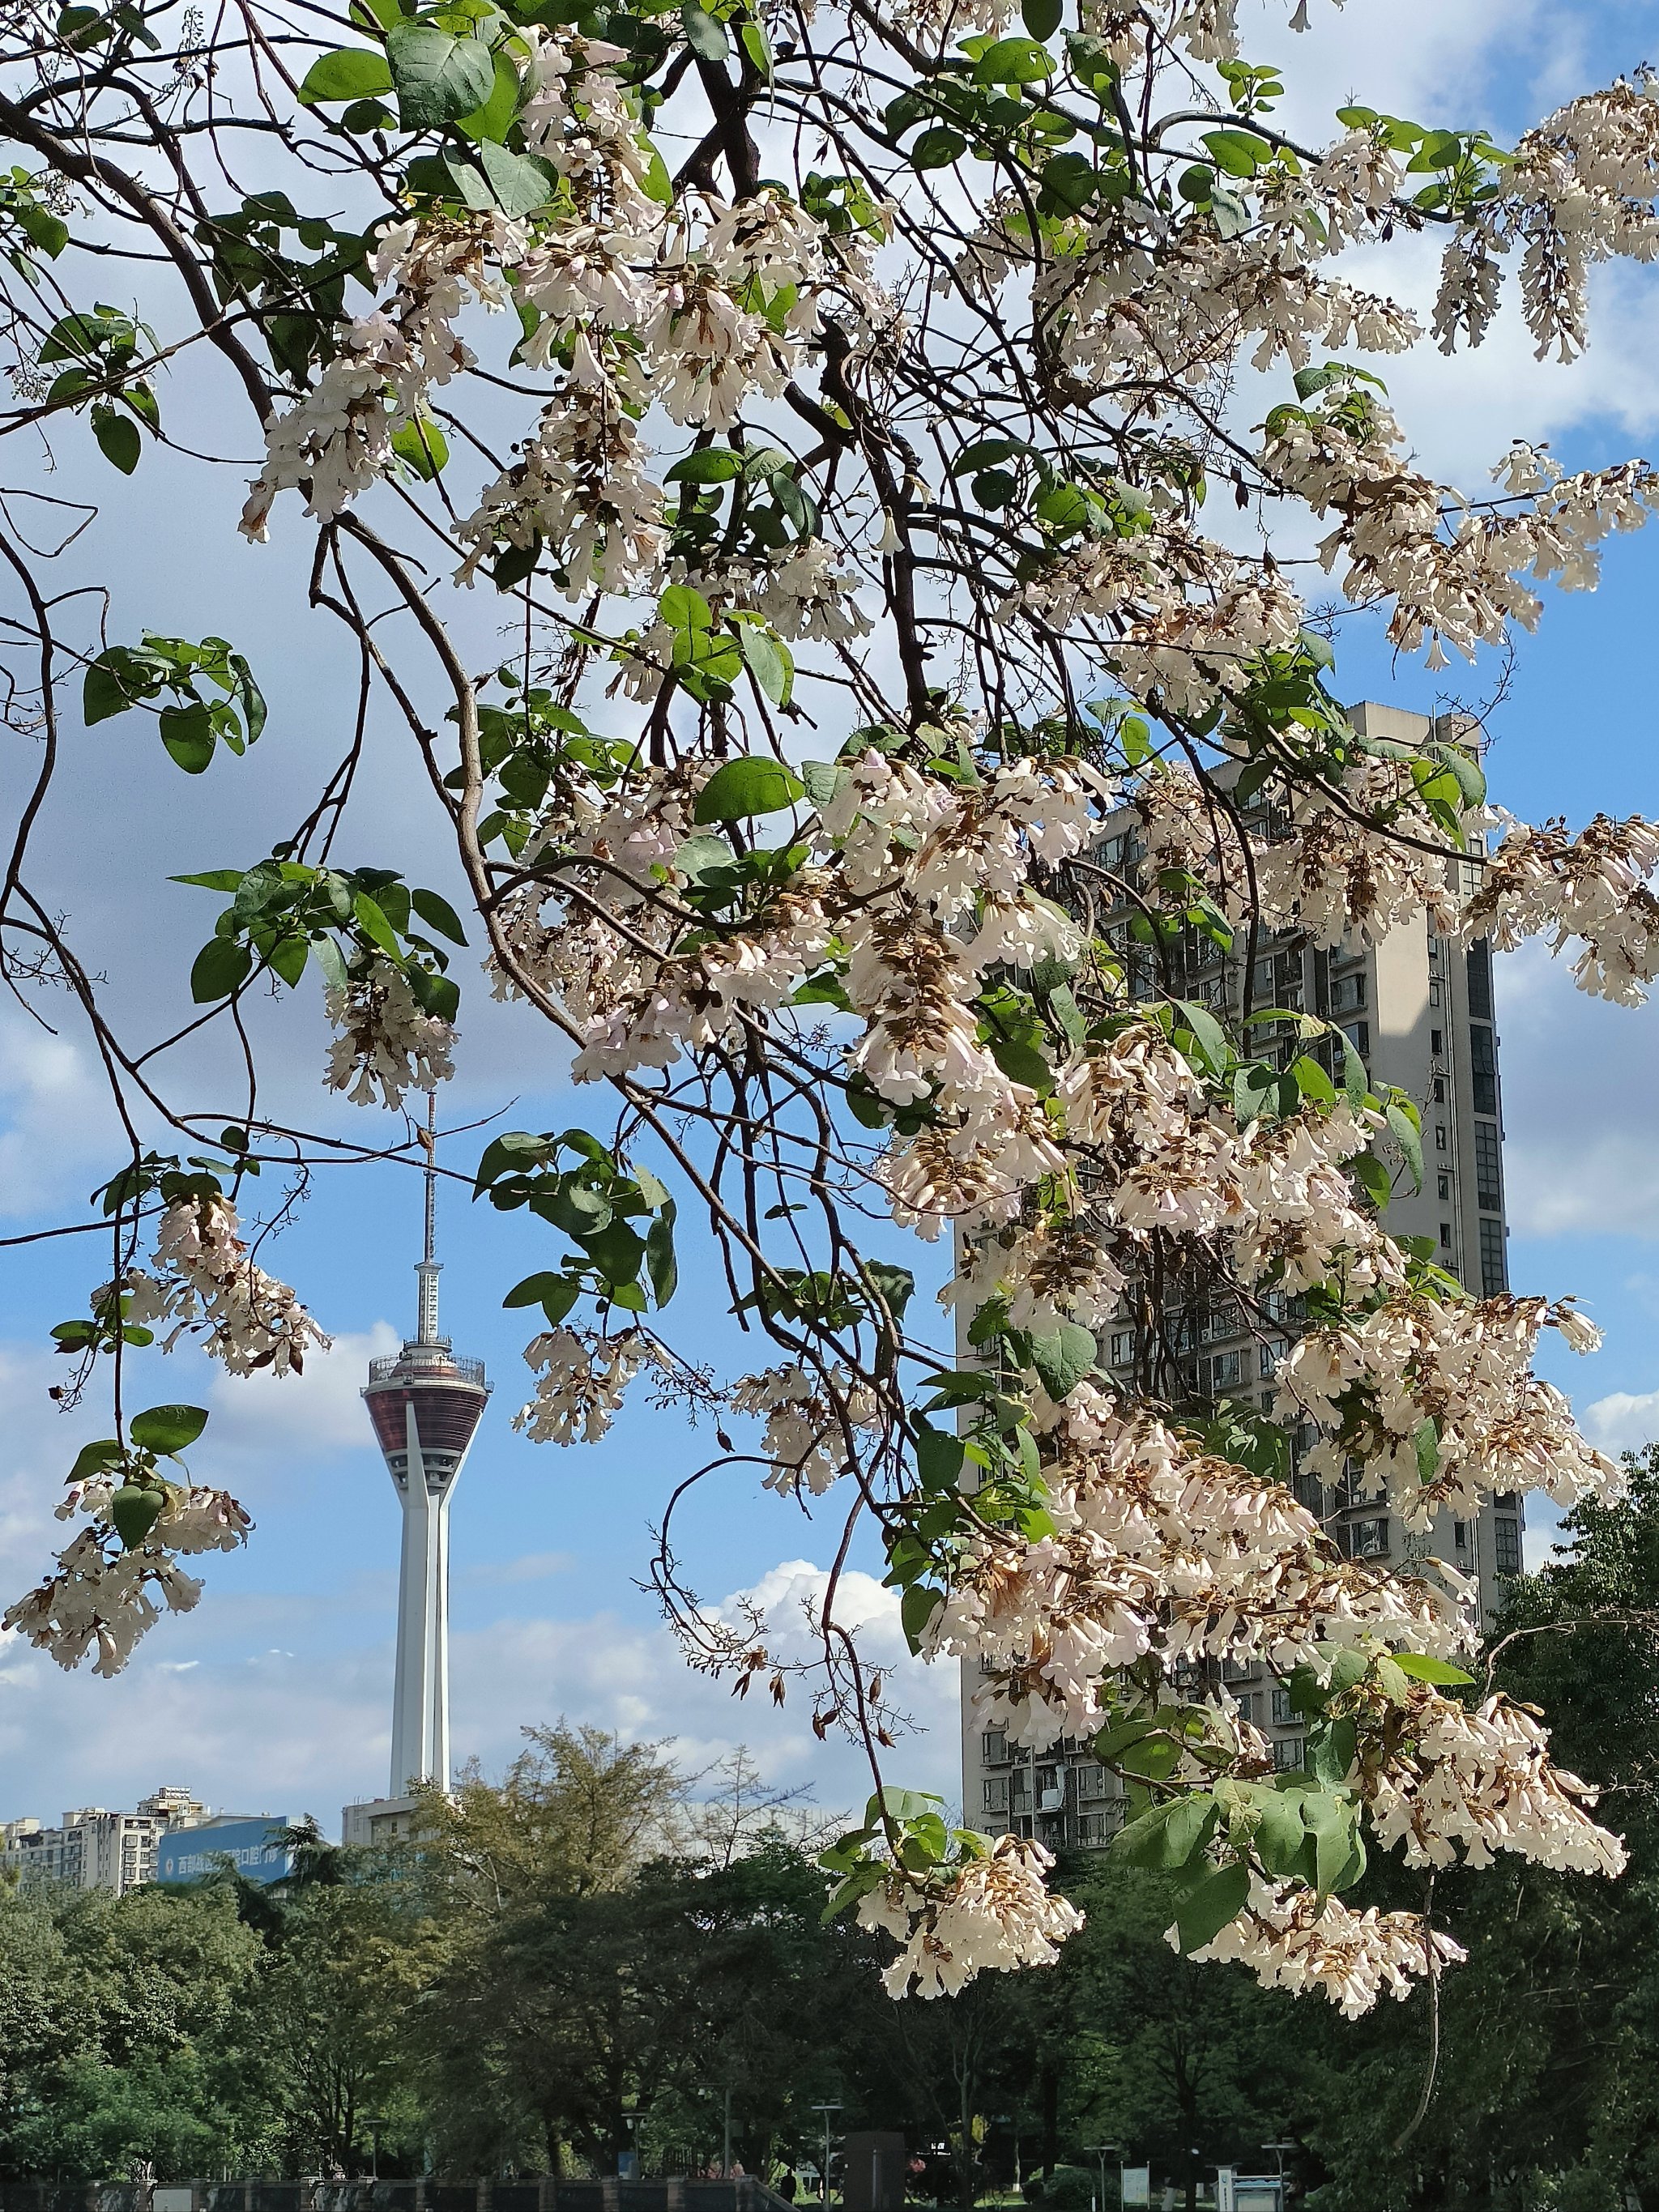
{"x":1168,"y":1835}
{"x":938,"y":1457}
{"x":616,"y":1251}
{"x":1207,"y":1035}
{"x":1238,"y":152}
{"x":135,"y":1511}
{"x":1022,"y":1063}
{"x":1064,"y":1360}
{"x":711,"y":465}
{"x":769,"y":661}
{"x":823,"y":780}
{"x":349,"y":73}
{"x":371,"y":919}
{"x":1280,"y":1838}
{"x":42,"y":229}
{"x":521,"y":183}
{"x":495,"y":119}
{"x":118,"y":441}
{"x":1422,"y":1669}
{"x":897,"y":1285}
{"x":553,"y":1294}
{"x":1312,"y":1081}
{"x":167,"y":1428}
{"x":422,"y":446}
{"x":438,"y":78}
{"x":1042,"y":17}
{"x":187,"y":734}
{"x":438,"y":914}
{"x":287,"y":958}
{"x":916,"y":1609}
{"x":1426,"y":1442}
{"x":92,"y":1459}
{"x":218,"y":970}
{"x":749,"y":785}
{"x":252,"y":699}
{"x":660,"y":1264}
{"x":112,"y":684}
{"x":1332,"y":1822}
{"x":1406,"y":1131}
{"x":1206,"y":1908}
{"x":1014,"y":61}
{"x":938,"y":148}
{"x":682,"y":608}
{"x":704,"y":33}
{"x":1331,"y":1753}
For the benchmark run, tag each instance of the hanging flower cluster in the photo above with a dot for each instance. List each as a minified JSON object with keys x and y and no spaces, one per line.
{"x":209,"y":1285}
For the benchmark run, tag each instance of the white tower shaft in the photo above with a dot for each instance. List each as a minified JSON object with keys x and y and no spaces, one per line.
{"x":419,"y":1698}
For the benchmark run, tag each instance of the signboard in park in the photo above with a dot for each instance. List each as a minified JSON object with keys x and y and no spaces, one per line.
{"x":1137,"y":2184}
{"x":252,"y":1845}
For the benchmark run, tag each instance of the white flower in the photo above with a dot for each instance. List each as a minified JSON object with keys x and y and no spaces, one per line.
{"x":995,"y":1913}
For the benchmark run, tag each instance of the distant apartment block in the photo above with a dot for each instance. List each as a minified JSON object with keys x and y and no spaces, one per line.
{"x":92,"y":1849}
{"x":1420,"y":1012}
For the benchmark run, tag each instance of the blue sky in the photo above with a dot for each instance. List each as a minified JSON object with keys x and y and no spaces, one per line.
{"x":276,"y":1694}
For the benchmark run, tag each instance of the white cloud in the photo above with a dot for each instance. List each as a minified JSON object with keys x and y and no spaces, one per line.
{"x":1624,"y":1420}
{"x":267,"y":1415}
{"x":531,"y":1567}
{"x":1579,"y":1077}
{"x":265,"y":1705}
{"x":57,"y":1112}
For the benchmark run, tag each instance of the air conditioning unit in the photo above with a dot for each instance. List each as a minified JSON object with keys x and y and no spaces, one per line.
{"x":1051,"y":1801}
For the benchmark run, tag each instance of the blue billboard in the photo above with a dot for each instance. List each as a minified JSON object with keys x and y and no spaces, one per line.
{"x":252,"y":1842}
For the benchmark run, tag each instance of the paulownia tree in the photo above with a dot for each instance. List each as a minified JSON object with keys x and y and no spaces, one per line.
{"x":844,"y":451}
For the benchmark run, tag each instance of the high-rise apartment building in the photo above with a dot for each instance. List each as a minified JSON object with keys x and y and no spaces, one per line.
{"x":1418,"y":1010}
{"x":92,"y":1849}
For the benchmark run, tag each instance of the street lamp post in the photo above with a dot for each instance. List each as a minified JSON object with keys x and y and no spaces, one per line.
{"x":1279,"y":2150}
{"x":1100,"y":2151}
{"x":824,"y":2179}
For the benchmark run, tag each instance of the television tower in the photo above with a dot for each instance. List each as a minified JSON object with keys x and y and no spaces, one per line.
{"x":426,"y":1406}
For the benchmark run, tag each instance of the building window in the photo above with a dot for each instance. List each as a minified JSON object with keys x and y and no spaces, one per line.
{"x":1440,"y":1136}
{"x":1461,"y":1534}
{"x":1488,"y":1174}
{"x":1368,"y":1540}
{"x":1445,"y":1186}
{"x":1437,"y":1041}
{"x":1245,"y":1701}
{"x":1359,"y":1035}
{"x":993,"y":1746}
{"x":1506,"y":1545}
{"x":1445,"y":1235}
{"x":1479,"y":974}
{"x":1124,"y":1347}
{"x":1482,"y":1058}
{"x":1439,"y":1090}
{"x":996,"y":1793}
{"x":1494,"y":1269}
{"x":1284,"y":1711}
{"x":1287,"y":1753}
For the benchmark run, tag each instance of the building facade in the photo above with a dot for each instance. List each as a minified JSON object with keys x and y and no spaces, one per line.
{"x":92,"y":1849}
{"x":1418,"y":1010}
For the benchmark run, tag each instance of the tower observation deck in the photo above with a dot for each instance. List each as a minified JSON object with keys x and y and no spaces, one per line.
{"x":426,"y":1406}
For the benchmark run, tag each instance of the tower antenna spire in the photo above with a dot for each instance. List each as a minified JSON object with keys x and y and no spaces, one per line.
{"x":426,"y":1328}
